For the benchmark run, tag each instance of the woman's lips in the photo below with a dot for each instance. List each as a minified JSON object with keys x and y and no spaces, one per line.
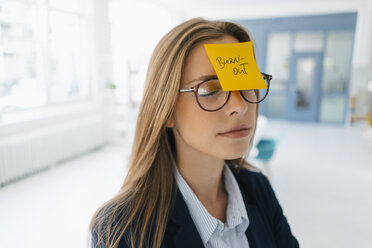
{"x":236,"y":133}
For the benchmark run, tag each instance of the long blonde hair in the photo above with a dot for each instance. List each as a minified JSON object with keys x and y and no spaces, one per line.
{"x":139,"y":212}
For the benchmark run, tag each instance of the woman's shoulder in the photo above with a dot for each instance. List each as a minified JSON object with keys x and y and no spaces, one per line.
{"x":99,"y":226}
{"x":258,"y":191}
{"x":256,"y":186}
{"x":252,"y":178}
{"x":107,"y":222}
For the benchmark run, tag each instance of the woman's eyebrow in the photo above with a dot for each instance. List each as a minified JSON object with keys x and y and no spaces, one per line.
{"x":202,"y":78}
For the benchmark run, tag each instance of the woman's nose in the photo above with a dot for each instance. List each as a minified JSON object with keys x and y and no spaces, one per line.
{"x":236,"y":104}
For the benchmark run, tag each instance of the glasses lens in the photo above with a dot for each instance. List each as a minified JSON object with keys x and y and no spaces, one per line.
{"x":210,"y":95}
{"x":255,"y":96}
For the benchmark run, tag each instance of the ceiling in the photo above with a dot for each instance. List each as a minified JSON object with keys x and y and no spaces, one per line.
{"x":258,"y":8}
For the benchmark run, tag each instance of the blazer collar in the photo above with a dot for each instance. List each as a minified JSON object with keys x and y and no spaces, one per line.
{"x":257,"y":233}
{"x":186,"y":234}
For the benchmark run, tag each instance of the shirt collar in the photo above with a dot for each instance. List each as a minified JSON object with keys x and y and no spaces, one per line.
{"x":204,"y":222}
{"x":236,"y":214}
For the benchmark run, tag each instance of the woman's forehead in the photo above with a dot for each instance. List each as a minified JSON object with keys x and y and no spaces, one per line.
{"x":198,"y":64}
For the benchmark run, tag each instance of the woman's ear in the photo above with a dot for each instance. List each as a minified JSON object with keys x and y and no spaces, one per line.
{"x":170,"y":123}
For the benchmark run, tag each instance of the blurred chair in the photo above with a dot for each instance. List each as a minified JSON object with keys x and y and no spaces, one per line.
{"x":266,"y":148}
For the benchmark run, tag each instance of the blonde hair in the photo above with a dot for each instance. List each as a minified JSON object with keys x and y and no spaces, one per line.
{"x":139,"y":211}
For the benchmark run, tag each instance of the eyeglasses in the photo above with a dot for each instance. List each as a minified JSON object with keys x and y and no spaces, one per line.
{"x":210,"y":96}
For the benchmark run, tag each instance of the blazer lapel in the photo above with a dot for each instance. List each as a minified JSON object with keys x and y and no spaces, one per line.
{"x":257,"y":233}
{"x":181,"y":230}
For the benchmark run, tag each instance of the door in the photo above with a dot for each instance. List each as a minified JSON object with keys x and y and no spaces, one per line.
{"x":304,"y":87}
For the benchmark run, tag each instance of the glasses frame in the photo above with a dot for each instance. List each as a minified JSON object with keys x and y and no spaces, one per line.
{"x":196,"y":88}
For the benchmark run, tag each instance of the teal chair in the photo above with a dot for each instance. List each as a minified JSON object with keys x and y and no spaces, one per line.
{"x":266,"y":148}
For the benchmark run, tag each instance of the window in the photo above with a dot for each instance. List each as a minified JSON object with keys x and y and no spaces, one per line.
{"x":132,"y":47}
{"x":337,"y":61}
{"x":308,"y":41}
{"x":278,"y":64}
{"x":43,"y":52}
{"x":278,"y":59}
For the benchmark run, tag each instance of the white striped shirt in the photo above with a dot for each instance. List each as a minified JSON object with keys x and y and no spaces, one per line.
{"x":212,"y":231}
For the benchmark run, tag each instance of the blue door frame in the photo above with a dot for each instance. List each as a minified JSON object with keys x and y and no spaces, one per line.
{"x":261,"y":28}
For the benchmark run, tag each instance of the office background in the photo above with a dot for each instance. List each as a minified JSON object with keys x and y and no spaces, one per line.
{"x":71,"y":79}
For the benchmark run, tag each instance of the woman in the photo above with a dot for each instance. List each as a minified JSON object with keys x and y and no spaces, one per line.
{"x":188,"y":184}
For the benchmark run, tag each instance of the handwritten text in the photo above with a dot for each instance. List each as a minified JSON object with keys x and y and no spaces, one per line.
{"x":224,"y":61}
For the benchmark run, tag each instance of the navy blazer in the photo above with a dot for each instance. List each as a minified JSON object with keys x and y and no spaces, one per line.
{"x":268,"y":227}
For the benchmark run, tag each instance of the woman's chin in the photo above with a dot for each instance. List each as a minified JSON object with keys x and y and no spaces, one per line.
{"x":235,"y":155}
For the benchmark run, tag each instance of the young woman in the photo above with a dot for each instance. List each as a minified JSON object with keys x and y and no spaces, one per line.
{"x":188,"y":184}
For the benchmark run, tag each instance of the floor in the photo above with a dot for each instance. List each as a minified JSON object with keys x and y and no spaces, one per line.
{"x":322,"y":176}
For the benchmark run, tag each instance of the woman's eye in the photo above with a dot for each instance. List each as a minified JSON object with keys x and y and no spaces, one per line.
{"x":207,"y":92}
{"x":210,"y":88}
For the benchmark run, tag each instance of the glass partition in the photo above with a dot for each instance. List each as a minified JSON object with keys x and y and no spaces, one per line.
{"x":337,"y":58}
{"x":278,"y":59}
{"x":308,"y":42}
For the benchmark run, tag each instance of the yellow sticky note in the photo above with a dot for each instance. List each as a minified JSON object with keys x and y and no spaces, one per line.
{"x":235,"y":66}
